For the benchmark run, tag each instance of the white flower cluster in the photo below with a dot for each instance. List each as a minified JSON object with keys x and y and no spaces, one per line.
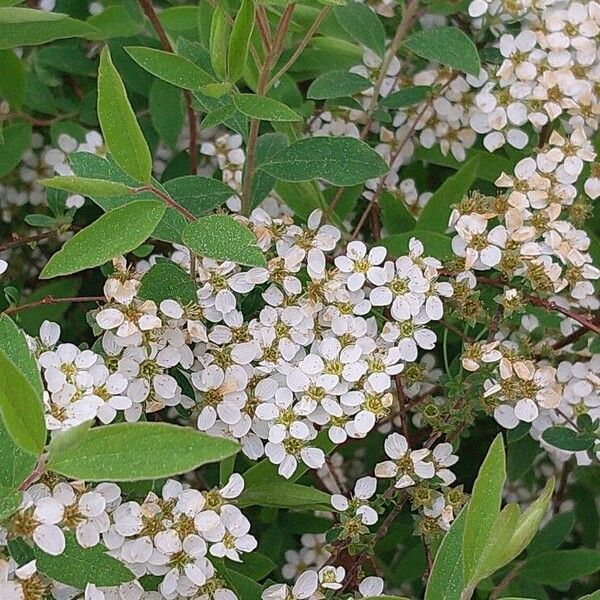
{"x":171,"y":536}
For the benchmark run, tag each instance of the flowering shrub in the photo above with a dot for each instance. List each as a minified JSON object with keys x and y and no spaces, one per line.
{"x":299,"y":300}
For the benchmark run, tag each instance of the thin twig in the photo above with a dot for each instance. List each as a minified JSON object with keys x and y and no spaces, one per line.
{"x":302,"y":45}
{"x":149,"y":11}
{"x":167,"y":200}
{"x":51,"y":300}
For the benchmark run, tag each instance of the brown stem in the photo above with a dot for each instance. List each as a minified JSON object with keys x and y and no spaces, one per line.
{"x":35,"y":121}
{"x":167,"y":200}
{"x":34,"y":476}
{"x":573,"y":337}
{"x":149,"y":11}
{"x":402,"y":402}
{"x":559,"y":494}
{"x":23,"y":241}
{"x":50,"y":300}
{"x":407,"y":17}
{"x":272,"y":52}
{"x":497,"y":591}
{"x":302,"y":45}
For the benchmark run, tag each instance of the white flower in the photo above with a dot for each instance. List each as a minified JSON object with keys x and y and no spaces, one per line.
{"x":371,"y":587}
{"x":358,"y":264}
{"x":406,"y":471}
{"x":363,"y":490}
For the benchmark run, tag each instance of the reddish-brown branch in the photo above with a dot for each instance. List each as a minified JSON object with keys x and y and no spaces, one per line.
{"x":149,"y":11}
{"x":167,"y":200}
{"x":50,"y":300}
{"x":23,"y":241}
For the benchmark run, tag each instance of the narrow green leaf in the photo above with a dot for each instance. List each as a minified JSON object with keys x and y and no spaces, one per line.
{"x":448,"y":45}
{"x":138,"y":451}
{"x":446,"y":578}
{"x":12,"y":78}
{"x":239,"y":41}
{"x":9,"y":502}
{"x":166,"y":281}
{"x":78,"y":566}
{"x":362,"y":24}
{"x":267,"y":146}
{"x":17,"y":138}
{"x":14,"y":345}
{"x":172,"y":68}
{"x":89,"y":165}
{"x":223,"y":238}
{"x":337,"y":84}
{"x":490,"y":559}
{"x":284,"y":494}
{"x":264,"y":108}
{"x":484,"y":506}
{"x":218,"y":115}
{"x":394,"y":214}
{"x":561,"y":566}
{"x":21,"y":408}
{"x":406,"y":97}
{"x":528,"y":524}
{"x":30,"y":27}
{"x":218,"y":42}
{"x":435,"y":244}
{"x":567,"y":439}
{"x":86,"y":187}
{"x":256,"y":566}
{"x":165,"y":103}
{"x":198,"y":194}
{"x":116,"y":232}
{"x":16,"y":463}
{"x":120,"y":128}
{"x":553,"y":534}
{"x":342,"y":161}
{"x":436,"y":213}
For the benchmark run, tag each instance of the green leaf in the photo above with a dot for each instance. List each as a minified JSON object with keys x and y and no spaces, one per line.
{"x":256,"y":566}
{"x":446,"y":578}
{"x":394,"y":214}
{"x":243,"y":587}
{"x":284,"y":494}
{"x":528,"y":524}
{"x":484,"y":506}
{"x":172,"y":68}
{"x":436,"y":213}
{"x":490,"y":559}
{"x":78,"y":566}
{"x":435,"y":244}
{"x":363,"y":25}
{"x":9,"y":502}
{"x":120,"y":128}
{"x":267,"y":146}
{"x":12,"y":78}
{"x":116,"y":232}
{"x":16,"y":464}
{"x":342,"y":161}
{"x":264,"y":108}
{"x":218,"y":115}
{"x":21,"y":408}
{"x":447,"y":45}
{"x":561,"y":566}
{"x":218,"y":42}
{"x":553,"y":533}
{"x":138,"y":451}
{"x":406,"y":97}
{"x":165,"y":103}
{"x":337,"y":84}
{"x":30,"y":27}
{"x":17,"y":138}
{"x":166,"y":281}
{"x":14,"y":345}
{"x":86,"y":187}
{"x":223,"y":238}
{"x":567,"y":439}
{"x":198,"y":194}
{"x":113,"y":22}
{"x":89,"y":165}
{"x":239,"y":40}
